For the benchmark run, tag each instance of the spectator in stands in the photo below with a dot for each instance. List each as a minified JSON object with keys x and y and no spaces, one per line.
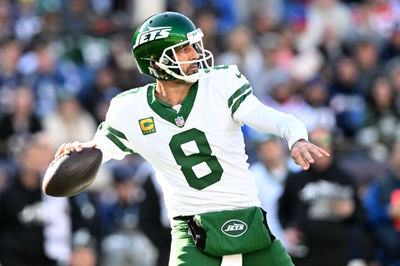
{"x":207,"y":21}
{"x":263,"y":19}
{"x":243,"y":53}
{"x":69,"y":122}
{"x":318,"y":210}
{"x":34,"y":229}
{"x":382,"y":16}
{"x":83,"y":256}
{"x":10,"y":77}
{"x":270,"y":174}
{"x":271,"y":70}
{"x":98,"y":98}
{"x":382,"y":125}
{"x":125,"y":244}
{"x":28,"y":22}
{"x":382,"y":203}
{"x":87,"y":229}
{"x":77,"y":16}
{"x":225,"y":9}
{"x":367,"y":58}
{"x":393,"y":69}
{"x":316,"y":93}
{"x":84,"y":251}
{"x":17,"y":127}
{"x":331,"y":46}
{"x":153,"y":216}
{"x":323,"y":16}
{"x":283,"y":98}
{"x":3,"y":179}
{"x":346,"y":99}
{"x":278,"y":54}
{"x":391,"y":48}
{"x":40,"y":73}
{"x":6,"y":20}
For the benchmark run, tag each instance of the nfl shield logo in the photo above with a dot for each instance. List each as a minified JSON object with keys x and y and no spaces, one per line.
{"x":179,"y":121}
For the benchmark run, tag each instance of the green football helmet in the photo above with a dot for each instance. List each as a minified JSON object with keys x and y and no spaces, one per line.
{"x":155,"y":41}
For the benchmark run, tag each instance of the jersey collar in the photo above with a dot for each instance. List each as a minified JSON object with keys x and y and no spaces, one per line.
{"x":165,"y":110}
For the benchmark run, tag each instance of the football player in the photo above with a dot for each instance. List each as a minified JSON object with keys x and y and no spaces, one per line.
{"x":188,"y":126}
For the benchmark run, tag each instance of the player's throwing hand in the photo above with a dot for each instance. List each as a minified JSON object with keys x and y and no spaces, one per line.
{"x":76,"y":145}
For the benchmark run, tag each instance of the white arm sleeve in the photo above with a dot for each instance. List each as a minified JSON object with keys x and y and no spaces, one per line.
{"x":110,"y":138}
{"x":266,"y":119}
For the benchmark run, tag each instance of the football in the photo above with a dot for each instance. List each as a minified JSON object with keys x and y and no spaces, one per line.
{"x":70,"y":174}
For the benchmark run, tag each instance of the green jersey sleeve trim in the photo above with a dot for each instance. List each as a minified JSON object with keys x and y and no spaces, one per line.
{"x":115,"y":132}
{"x":239,"y":101}
{"x":237,"y":93}
{"x":115,"y":136}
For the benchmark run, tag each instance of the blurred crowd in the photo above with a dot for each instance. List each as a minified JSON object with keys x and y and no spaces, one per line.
{"x":334,"y":64}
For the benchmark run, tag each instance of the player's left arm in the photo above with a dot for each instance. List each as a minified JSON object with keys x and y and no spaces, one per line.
{"x":266,"y":119}
{"x":245,"y":108}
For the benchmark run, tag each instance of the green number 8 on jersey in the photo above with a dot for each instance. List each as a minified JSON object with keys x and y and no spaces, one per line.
{"x":187,"y":162}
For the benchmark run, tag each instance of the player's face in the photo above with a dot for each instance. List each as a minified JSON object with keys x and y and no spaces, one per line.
{"x":187,"y":53}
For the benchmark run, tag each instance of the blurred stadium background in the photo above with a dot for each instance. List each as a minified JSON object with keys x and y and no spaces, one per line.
{"x":331,"y":63}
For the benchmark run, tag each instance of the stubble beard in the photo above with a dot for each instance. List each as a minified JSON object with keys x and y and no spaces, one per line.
{"x":189,"y":71}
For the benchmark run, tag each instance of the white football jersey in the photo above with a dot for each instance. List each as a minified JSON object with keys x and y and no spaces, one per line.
{"x":196,"y":148}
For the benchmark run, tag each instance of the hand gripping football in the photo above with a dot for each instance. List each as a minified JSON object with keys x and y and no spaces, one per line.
{"x":70,"y":174}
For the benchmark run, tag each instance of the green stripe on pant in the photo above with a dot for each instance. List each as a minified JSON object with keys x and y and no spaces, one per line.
{"x":185,"y":253}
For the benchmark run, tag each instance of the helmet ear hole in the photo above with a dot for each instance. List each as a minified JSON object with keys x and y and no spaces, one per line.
{"x":164,"y":60}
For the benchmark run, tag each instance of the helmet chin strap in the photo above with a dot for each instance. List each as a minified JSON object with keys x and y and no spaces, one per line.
{"x":187,"y":78}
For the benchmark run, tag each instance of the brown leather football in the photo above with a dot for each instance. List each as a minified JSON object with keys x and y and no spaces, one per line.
{"x":70,"y":174}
